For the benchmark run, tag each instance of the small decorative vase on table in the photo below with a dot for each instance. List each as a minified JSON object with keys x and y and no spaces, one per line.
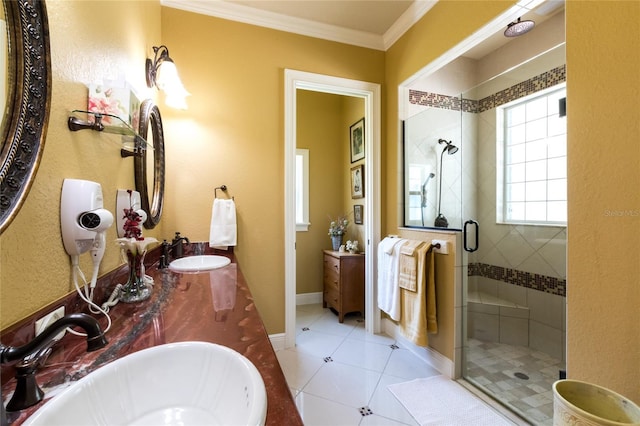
{"x":337,"y":229}
{"x":134,"y":245}
{"x":135,"y":289}
{"x":336,"y":242}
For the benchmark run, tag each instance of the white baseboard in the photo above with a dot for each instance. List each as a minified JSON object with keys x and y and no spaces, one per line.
{"x":308,"y":298}
{"x":277,"y":341}
{"x":434,"y":358}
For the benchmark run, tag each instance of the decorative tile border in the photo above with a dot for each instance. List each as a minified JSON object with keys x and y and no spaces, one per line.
{"x":530,"y":280}
{"x":434,"y":100}
{"x":540,"y":82}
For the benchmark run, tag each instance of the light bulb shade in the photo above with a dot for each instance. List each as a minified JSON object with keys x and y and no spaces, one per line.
{"x":167,"y":77}
{"x":162,"y":72}
{"x":176,"y":101}
{"x":169,"y":82}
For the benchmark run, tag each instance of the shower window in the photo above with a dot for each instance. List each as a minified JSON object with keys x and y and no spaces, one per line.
{"x":534,"y":158}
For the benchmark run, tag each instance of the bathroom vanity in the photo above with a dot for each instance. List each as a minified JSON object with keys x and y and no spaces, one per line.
{"x":213,"y":306}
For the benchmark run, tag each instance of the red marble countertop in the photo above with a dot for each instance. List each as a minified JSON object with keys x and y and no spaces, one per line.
{"x":215,"y":306}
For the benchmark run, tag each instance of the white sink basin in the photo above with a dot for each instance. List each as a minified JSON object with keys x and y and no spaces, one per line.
{"x":188,"y":383}
{"x":199,"y":263}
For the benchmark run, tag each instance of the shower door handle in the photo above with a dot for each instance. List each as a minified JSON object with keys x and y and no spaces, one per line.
{"x":466,"y":235}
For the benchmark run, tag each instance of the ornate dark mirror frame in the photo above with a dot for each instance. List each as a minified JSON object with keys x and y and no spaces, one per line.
{"x":151,"y":203}
{"x":28,"y":103}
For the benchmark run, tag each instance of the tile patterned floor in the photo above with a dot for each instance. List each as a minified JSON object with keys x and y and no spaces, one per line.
{"x":493,"y":367}
{"x":339,"y":374}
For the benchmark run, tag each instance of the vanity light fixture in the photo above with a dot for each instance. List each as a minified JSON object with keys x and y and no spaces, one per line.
{"x":162,"y":73}
{"x":515,"y":29}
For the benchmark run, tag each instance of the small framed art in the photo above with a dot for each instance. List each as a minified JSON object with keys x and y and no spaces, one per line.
{"x":356,"y":136}
{"x":357,"y":181}
{"x":358,"y":214}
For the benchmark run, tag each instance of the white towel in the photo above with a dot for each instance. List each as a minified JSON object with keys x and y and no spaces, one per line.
{"x":388,"y":274}
{"x":223,"y":230}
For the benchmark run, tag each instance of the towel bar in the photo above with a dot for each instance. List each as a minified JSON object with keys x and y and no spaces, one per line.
{"x":440,"y":246}
{"x":223,"y":188}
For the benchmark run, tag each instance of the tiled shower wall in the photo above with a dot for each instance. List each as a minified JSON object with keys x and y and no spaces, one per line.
{"x":518,"y":264}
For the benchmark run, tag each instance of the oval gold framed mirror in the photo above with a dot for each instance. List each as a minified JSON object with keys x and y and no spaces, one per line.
{"x":149,"y":163}
{"x":26,"y":100}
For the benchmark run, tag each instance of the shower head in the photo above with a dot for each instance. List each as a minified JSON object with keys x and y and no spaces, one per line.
{"x":515,"y":29}
{"x":450,"y":148}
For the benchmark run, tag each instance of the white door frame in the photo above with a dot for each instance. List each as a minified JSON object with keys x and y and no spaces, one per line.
{"x":370,"y":93}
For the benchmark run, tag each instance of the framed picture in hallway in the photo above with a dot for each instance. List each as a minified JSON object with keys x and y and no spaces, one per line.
{"x":356,"y":136}
{"x":357,"y":214}
{"x":357,"y":181}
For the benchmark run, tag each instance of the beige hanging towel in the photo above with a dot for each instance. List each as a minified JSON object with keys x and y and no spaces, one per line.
{"x":408,"y":265}
{"x":419,"y":307}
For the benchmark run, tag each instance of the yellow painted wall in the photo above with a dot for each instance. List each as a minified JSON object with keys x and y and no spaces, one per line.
{"x":90,"y":41}
{"x":603,"y":119}
{"x":233,"y":134}
{"x":319,"y":127}
{"x":323,"y":122}
{"x":353,"y":111}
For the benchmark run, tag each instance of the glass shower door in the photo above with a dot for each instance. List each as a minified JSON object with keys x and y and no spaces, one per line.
{"x":514,"y":287}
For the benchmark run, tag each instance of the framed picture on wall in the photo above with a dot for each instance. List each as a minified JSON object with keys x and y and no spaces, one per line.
{"x":357,"y":181}
{"x":358,"y":214}
{"x":356,"y":136}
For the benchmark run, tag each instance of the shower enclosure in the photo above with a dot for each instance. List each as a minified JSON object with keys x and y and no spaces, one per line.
{"x":508,"y":175}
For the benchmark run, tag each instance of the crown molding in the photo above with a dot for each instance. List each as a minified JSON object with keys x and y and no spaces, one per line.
{"x":412,"y":15}
{"x":263,"y":18}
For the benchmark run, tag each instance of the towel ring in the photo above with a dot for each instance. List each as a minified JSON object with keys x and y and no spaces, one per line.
{"x":223,"y":188}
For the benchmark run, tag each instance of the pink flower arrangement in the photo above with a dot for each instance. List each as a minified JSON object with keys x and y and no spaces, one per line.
{"x":132,"y":223}
{"x":133,"y":241}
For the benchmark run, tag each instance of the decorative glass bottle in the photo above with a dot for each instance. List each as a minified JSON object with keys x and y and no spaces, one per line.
{"x":135,"y":289}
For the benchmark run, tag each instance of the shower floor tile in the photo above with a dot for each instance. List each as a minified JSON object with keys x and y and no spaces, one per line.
{"x":492,"y":367}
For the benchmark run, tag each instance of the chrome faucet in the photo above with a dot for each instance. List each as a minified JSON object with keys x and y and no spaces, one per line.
{"x":174,"y":250}
{"x":34,"y":353}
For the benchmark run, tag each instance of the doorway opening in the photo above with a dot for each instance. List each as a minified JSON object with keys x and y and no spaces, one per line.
{"x":370,"y":94}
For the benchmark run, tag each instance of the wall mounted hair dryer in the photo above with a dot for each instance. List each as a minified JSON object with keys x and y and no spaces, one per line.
{"x":84,"y":221}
